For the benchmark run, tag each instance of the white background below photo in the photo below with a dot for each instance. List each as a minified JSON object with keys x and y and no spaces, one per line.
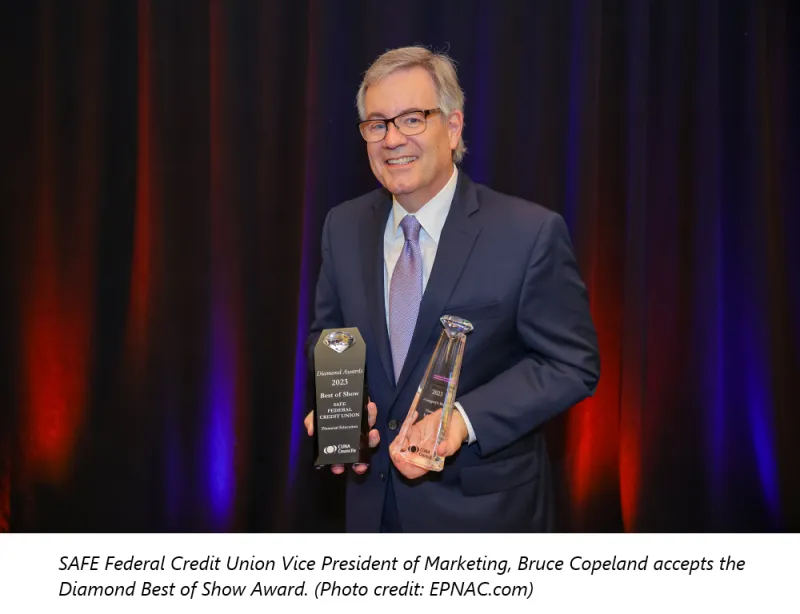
{"x":511,"y":573}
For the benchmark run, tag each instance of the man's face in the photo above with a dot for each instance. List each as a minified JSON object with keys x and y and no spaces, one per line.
{"x":427,"y":161}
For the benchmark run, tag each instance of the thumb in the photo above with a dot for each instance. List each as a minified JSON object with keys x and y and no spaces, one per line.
{"x":447,"y":447}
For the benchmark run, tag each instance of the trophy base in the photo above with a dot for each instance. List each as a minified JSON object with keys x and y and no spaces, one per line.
{"x":431,"y":464}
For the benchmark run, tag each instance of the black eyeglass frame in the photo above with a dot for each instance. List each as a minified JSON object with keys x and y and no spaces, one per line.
{"x":391,"y":120}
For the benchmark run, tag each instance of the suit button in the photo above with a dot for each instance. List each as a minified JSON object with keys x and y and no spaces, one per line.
{"x":392,"y":425}
{"x":383,"y":477}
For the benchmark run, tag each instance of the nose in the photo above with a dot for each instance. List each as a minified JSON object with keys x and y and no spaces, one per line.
{"x":394,"y":138}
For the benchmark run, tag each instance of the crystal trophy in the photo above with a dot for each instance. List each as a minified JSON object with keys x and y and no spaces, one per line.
{"x":341,"y":424}
{"x":429,"y":416}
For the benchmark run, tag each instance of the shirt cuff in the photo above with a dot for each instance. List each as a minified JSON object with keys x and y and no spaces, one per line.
{"x":471,"y":439}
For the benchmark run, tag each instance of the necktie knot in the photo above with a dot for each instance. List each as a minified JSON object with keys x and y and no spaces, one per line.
{"x":411,"y":227}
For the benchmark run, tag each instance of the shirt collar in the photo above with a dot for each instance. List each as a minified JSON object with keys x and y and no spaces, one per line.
{"x":432,"y":215}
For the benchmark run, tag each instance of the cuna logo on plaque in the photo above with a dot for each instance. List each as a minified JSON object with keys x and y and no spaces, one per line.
{"x":340,"y":414}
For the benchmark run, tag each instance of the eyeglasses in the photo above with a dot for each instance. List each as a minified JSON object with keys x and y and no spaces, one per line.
{"x":409,"y":124}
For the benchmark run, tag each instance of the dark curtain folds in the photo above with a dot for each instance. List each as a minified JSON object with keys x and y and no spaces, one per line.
{"x":169,"y":166}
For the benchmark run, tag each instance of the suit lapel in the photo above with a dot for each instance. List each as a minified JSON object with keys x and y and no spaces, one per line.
{"x":373,"y":275}
{"x":455,"y":244}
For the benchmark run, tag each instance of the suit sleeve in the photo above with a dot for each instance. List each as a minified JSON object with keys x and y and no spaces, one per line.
{"x":327,"y":310}
{"x":562,"y":363}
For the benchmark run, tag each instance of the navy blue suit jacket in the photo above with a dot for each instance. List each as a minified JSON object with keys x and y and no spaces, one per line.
{"x":506,"y":265}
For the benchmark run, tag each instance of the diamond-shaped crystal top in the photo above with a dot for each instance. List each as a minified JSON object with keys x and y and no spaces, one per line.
{"x":455,"y":325}
{"x":339,"y":340}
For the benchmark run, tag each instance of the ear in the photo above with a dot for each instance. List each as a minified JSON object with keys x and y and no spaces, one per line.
{"x":455,"y":124}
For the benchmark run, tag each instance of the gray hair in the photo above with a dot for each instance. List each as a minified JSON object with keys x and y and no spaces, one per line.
{"x":442,"y":70}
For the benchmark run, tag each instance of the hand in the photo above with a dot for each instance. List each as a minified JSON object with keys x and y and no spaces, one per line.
{"x":374,"y":437}
{"x":412,"y":432}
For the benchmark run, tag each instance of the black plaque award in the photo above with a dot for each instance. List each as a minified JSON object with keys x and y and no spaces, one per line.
{"x":341,"y":425}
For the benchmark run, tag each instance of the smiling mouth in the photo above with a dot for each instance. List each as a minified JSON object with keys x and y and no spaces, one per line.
{"x":404,"y":161}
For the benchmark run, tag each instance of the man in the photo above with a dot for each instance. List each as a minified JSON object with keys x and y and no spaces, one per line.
{"x":431,"y":243}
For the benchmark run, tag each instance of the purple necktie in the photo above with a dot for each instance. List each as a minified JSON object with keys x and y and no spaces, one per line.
{"x":405,"y":294}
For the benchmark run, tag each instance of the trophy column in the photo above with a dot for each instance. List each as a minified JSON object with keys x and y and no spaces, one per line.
{"x":426,"y":424}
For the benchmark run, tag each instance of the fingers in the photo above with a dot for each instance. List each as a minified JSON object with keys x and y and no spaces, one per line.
{"x":409,"y":470}
{"x":448,"y":448}
{"x":374,"y":438}
{"x":451,"y":444}
{"x":309,"y":423}
{"x":372,"y":413}
{"x":403,"y":434}
{"x":457,"y":432}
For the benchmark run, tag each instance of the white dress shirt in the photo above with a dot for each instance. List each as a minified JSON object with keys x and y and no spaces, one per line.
{"x":431,"y":218}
